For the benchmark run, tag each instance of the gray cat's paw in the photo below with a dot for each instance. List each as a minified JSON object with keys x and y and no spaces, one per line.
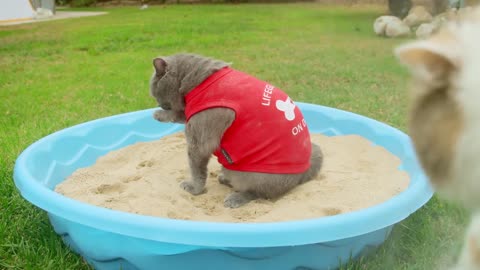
{"x":162,"y":116}
{"x":192,"y":187}
{"x":237,"y":199}
{"x":224,"y":181}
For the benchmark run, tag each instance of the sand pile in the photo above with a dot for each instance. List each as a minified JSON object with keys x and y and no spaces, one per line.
{"x":144,"y":178}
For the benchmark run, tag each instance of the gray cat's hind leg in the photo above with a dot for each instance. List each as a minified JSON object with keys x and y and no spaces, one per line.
{"x":237,"y":199}
{"x":224,"y":181}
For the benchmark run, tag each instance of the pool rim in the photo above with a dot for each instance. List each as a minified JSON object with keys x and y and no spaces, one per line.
{"x":223,"y":234}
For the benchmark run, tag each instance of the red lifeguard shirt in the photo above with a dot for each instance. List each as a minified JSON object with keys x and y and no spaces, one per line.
{"x":269,"y":133}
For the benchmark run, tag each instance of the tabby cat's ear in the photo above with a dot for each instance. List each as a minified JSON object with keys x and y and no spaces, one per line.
{"x":160,"y":66}
{"x":433,"y":58}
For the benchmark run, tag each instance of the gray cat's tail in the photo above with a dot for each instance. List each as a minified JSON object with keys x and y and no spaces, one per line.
{"x":316,"y":161}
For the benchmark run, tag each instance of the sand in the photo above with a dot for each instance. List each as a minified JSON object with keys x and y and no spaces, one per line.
{"x":144,"y":178}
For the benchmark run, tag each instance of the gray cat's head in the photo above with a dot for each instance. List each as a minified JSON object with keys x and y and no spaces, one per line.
{"x":178,"y":74}
{"x":165,"y":85}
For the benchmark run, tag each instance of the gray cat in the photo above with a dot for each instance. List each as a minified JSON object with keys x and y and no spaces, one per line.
{"x":174,"y":78}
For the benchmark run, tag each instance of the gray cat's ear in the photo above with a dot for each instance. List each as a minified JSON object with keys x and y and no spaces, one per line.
{"x":160,"y":66}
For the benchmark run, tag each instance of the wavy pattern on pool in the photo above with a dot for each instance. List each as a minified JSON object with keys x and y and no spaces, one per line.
{"x":111,"y":239}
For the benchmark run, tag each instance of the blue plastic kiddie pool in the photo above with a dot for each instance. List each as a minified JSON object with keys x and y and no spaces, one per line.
{"x":115,"y":240}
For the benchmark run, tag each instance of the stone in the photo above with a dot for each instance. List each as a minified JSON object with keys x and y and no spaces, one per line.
{"x":443,"y":18}
{"x":417,"y":16}
{"x":425,"y":30}
{"x":448,"y":15}
{"x":397,"y":29}
{"x":433,"y":7}
{"x":380,"y":24}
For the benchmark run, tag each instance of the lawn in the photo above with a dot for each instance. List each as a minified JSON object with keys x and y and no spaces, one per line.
{"x":61,"y":73}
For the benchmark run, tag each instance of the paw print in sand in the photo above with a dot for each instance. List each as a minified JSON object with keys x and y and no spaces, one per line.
{"x":288,"y":107}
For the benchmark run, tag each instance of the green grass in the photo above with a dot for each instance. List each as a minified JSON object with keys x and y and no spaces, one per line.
{"x":61,"y":73}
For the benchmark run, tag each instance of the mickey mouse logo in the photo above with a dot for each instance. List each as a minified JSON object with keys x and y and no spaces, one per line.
{"x":287,"y":107}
